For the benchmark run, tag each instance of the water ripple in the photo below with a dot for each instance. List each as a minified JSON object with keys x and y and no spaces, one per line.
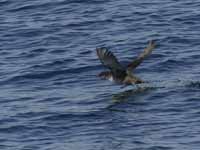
{"x":51,"y":97}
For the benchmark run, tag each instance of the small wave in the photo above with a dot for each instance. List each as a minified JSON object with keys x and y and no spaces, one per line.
{"x":32,"y":6}
{"x":38,"y":75}
{"x":75,"y":116}
{"x":16,"y":128}
{"x":194,"y":84}
{"x":52,"y":64}
{"x":4,"y":2}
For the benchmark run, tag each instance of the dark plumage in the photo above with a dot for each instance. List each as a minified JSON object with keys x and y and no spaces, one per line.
{"x":117,"y":72}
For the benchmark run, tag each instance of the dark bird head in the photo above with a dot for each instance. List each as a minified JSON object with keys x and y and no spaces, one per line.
{"x":105,"y":75}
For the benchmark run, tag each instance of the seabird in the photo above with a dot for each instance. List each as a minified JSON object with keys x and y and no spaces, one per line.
{"x":118,"y":73}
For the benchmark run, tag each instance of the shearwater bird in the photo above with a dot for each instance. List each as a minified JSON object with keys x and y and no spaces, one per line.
{"x":118,"y":73}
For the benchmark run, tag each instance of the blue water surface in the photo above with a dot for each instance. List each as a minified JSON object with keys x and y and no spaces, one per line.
{"x":52,"y":99}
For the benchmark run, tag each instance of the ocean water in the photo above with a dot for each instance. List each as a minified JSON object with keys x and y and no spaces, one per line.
{"x":52,"y":99}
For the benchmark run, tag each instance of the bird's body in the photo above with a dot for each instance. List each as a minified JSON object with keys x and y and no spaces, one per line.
{"x":118,"y":73}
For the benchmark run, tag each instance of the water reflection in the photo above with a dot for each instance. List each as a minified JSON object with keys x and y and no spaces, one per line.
{"x":126,"y":95}
{"x":145,"y":89}
{"x":123,"y":96}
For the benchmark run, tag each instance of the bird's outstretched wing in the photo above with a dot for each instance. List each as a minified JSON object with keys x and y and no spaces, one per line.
{"x":110,"y":61}
{"x":147,"y":51}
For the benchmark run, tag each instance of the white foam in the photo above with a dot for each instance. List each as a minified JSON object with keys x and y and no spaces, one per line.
{"x":111,"y":79}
